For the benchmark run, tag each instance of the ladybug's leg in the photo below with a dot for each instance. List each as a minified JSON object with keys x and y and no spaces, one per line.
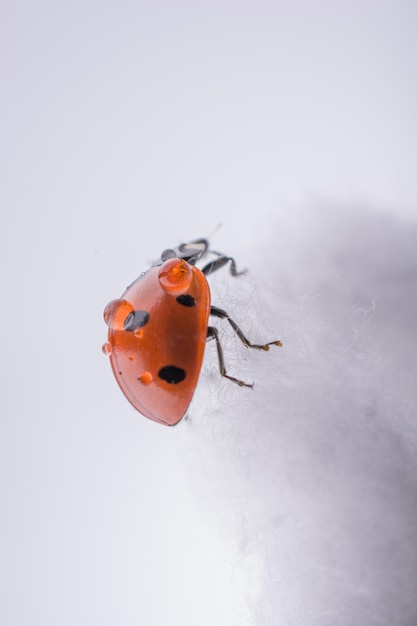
{"x":212,"y":333}
{"x":220,"y":262}
{"x":225,"y":316}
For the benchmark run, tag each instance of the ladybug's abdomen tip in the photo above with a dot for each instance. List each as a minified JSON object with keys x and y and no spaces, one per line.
{"x":165,"y":421}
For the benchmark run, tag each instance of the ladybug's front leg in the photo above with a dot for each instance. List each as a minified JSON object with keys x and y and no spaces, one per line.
{"x":220,"y":262}
{"x":212,"y":333}
{"x":214,"y":310}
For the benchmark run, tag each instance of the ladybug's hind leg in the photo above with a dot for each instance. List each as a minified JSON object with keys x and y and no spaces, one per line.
{"x":216,"y":312}
{"x":212,"y":333}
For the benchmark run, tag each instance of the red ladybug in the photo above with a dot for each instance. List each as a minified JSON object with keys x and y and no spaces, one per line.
{"x":159,"y":328}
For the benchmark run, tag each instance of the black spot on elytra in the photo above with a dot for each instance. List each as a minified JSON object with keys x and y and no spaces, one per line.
{"x":172,"y":374}
{"x":135,"y":320}
{"x":186,"y":300}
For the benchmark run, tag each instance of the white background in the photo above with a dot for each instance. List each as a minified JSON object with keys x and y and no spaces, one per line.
{"x":127,"y":128}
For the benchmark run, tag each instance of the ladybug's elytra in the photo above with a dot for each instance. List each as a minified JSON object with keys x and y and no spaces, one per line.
{"x":158,"y":330}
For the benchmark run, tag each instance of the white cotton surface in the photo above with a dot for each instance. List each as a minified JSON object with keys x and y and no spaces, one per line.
{"x":312,"y":476}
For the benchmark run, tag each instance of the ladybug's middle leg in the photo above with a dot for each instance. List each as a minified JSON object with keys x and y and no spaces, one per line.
{"x":214,"y":310}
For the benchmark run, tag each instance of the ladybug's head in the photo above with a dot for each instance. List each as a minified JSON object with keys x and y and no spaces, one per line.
{"x":190,"y":252}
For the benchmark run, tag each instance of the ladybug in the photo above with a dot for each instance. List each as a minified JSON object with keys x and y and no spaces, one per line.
{"x":158,"y":330}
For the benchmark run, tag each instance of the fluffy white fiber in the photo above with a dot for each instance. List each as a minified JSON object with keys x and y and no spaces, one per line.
{"x":312,"y":476}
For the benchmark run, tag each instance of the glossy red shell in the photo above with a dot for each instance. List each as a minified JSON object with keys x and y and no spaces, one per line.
{"x":176,"y":299}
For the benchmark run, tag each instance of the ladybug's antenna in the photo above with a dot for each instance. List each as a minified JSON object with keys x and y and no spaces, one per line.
{"x":214,"y":231}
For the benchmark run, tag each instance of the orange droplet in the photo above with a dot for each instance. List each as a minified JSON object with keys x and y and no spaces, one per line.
{"x":175,"y":276}
{"x":116,"y":312}
{"x":145,"y":378}
{"x":106,"y":348}
{"x":138,"y":333}
{"x":131,"y":358}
